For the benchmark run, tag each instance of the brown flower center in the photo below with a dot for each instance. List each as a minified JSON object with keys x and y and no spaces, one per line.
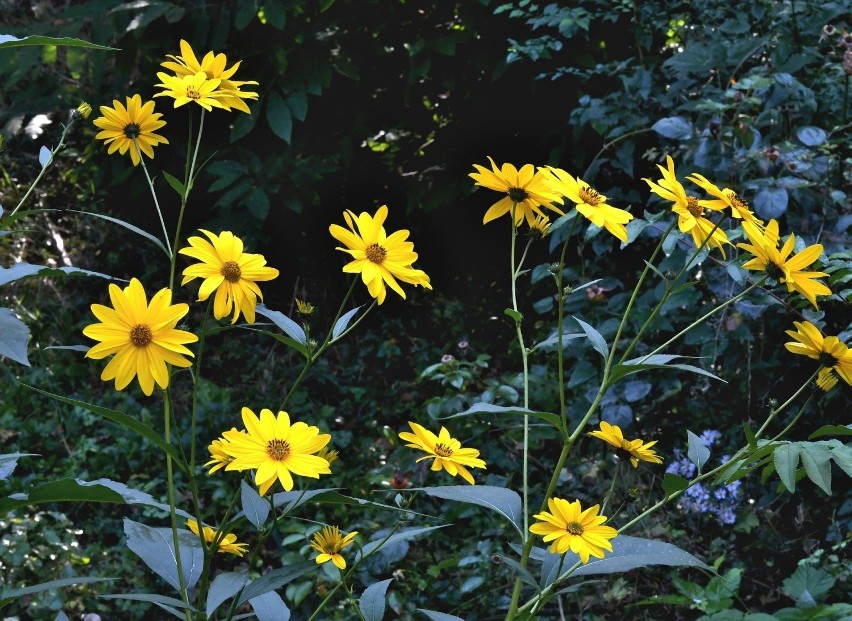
{"x":442,"y":450}
{"x":192,"y":93}
{"x":590,"y":196}
{"x":827,"y":360}
{"x":132,"y":130}
{"x":518,"y":195}
{"x":376,"y":253}
{"x":231,"y":271}
{"x":279,"y":450}
{"x":738,"y":202}
{"x":575,"y":528}
{"x":693,"y":207}
{"x":774,"y":271}
{"x":140,"y":335}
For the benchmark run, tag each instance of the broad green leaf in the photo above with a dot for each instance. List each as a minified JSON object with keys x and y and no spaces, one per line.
{"x":674,"y":128}
{"x":8,"y":463}
{"x":831,"y":430}
{"x":673,"y":483}
{"x":275,"y":579}
{"x":811,"y":136}
{"x":152,"y":598}
{"x":372,"y":602}
{"x":697,"y":452}
{"x":279,"y":117}
{"x":595,"y":337}
{"x":340,"y":324}
{"x":402,"y":535}
{"x":438,"y":616}
{"x":225,"y":586}
{"x":523,"y":573}
{"x":504,"y":501}
{"x":290,"y":327}
{"x":490,"y":408}
{"x":808,"y":584}
{"x":255,"y":508}
{"x":471,"y":584}
{"x":129,"y":227}
{"x":175,"y":184}
{"x":121,"y":419}
{"x":23,"y":270}
{"x":510,"y":312}
{"x":14,"y":336}
{"x":816,"y":458}
{"x":270,"y":607}
{"x":10,"y":41}
{"x":771,"y":203}
{"x":155,"y":546}
{"x":786,"y":459}
{"x":842,"y":456}
{"x":298,"y":104}
{"x":9,"y":595}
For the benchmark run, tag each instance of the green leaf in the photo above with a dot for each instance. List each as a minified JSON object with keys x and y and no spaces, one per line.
{"x":402,"y":535}
{"x":8,"y":463}
{"x":786,"y":459}
{"x":595,"y":337}
{"x":298,"y":104}
{"x":121,"y":419}
{"x":270,"y":607}
{"x":9,"y":595}
{"x":7,"y":41}
{"x":276,"y":14}
{"x":674,"y":128}
{"x":831,"y":430}
{"x":255,"y":508}
{"x":224,"y":587}
{"x":281,"y":339}
{"x":490,"y":408}
{"x":673,"y":483}
{"x":842,"y":456}
{"x":44,"y":156}
{"x":438,"y":616}
{"x":340,"y":324}
{"x":771,"y":203}
{"x":807,"y":585}
{"x":290,"y":327}
{"x":155,"y":546}
{"x":697,"y":452}
{"x":372,"y":602}
{"x":655,"y":361}
{"x":749,"y":434}
{"x":129,"y":227}
{"x":523,"y":573}
{"x":811,"y":136}
{"x":152,"y":598}
{"x":279,"y":117}
{"x":510,"y":312}
{"x":275,"y":579}
{"x":246,"y":13}
{"x":816,"y":458}
{"x":504,"y":501}
{"x":175,"y":184}
{"x":22,"y":270}
{"x":553,"y":341}
{"x":14,"y":336}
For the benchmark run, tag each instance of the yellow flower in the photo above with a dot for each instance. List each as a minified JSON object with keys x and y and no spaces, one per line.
{"x":227,"y":544}
{"x":142,"y":337}
{"x":826,"y":379}
{"x":569,"y":527}
{"x":588,"y":202}
{"x":725,"y":198}
{"x":275,"y":448}
{"x":131,"y":128}
{"x":636,"y":449}
{"x":689,"y":210}
{"x":379,"y":258}
{"x":228,"y":271}
{"x":304,"y":308}
{"x":214,"y":67}
{"x":830,"y":351}
{"x":84,"y":110}
{"x":219,"y":456}
{"x":524,"y":188}
{"x":191,"y":88}
{"x":780,"y":265}
{"x":329,"y":543}
{"x":540,"y":227}
{"x":445,"y":450}
{"x":329,"y":455}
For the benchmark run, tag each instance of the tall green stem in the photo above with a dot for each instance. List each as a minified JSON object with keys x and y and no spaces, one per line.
{"x":167,"y":436}
{"x":156,"y":204}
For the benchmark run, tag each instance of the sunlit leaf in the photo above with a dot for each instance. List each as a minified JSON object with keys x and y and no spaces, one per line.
{"x":372,"y":602}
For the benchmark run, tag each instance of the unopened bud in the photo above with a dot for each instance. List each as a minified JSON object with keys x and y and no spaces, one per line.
{"x":83,"y":110}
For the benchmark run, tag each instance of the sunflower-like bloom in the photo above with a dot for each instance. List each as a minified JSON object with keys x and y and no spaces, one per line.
{"x":526,"y":189}
{"x":329,"y":543}
{"x":227,"y":544}
{"x":142,"y":337}
{"x":725,"y":198}
{"x":569,"y":527}
{"x":228,"y":271}
{"x":275,"y":448}
{"x":214,"y":67}
{"x":191,"y":88}
{"x":445,"y":450}
{"x":379,"y":258}
{"x":778,"y":264}
{"x":830,"y":351}
{"x":219,"y":455}
{"x":589,"y":202}
{"x":130,"y":128}
{"x":689,"y":210}
{"x":636,"y":450}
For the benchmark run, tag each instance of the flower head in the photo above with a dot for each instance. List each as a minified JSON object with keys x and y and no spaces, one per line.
{"x":214,"y":67}
{"x":330,"y":455}
{"x":329,"y":543}
{"x":829,"y":351}
{"x":379,"y":258}
{"x":778,"y":264}
{"x":191,"y":88}
{"x":228,"y":543}
{"x":725,"y":198}
{"x":276,"y":448}
{"x":130,"y":128}
{"x":636,"y":450}
{"x":141,"y":337}
{"x":219,"y":456}
{"x":690,"y":211}
{"x":539,"y":227}
{"x":84,"y":110}
{"x":445,"y":450}
{"x":826,"y":379}
{"x":589,"y":202}
{"x":569,"y":527}
{"x":228,"y":271}
{"x":524,"y":188}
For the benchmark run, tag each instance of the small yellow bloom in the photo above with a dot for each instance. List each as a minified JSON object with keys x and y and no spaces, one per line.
{"x":636,"y":450}
{"x":569,"y":527}
{"x":725,"y":198}
{"x":329,"y":543}
{"x":219,"y":456}
{"x":329,"y":455}
{"x":84,"y":110}
{"x":829,"y":351}
{"x":540,"y":227}
{"x":191,"y":88}
{"x":130,"y":128}
{"x":826,"y":379}
{"x":445,"y":450}
{"x":305,"y":309}
{"x":525,"y":189}
{"x":227,"y":544}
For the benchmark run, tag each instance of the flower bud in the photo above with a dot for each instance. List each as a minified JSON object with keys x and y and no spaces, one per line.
{"x":83,"y":110}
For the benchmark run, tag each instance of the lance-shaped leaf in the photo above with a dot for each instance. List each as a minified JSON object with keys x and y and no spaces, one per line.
{"x":224,"y":587}
{"x":595,"y":338}
{"x":697,"y":451}
{"x":23,"y":270}
{"x":341,"y":324}
{"x":490,"y":408}
{"x":155,"y":546}
{"x":129,"y":227}
{"x":270,"y":607}
{"x":14,"y":336}
{"x":275,"y":579}
{"x":8,"y":463}
{"x":10,"y":41}
{"x":786,"y":460}
{"x":403,"y":535}
{"x":290,"y":327}
{"x":372,"y":602}
{"x":655,"y":361}
{"x":504,"y":501}
{"x":553,"y":341}
{"x":162,"y":601}
{"x":9,"y":595}
{"x":255,"y":508}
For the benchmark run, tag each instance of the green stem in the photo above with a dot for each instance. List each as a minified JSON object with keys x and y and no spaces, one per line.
{"x":156,"y":204}
{"x":167,"y":436}
{"x":607,"y":145}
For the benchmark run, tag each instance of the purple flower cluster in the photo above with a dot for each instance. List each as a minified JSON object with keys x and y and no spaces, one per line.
{"x":721,"y":502}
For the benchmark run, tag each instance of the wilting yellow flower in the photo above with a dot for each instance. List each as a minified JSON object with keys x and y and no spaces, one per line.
{"x":445,"y":450}
{"x":191,"y":88}
{"x":214,"y":67}
{"x":305,"y":309}
{"x":540,"y":227}
{"x":379,"y":258}
{"x":130,"y":128}
{"x":84,"y":110}
{"x":636,"y":449}
{"x":228,"y":271}
{"x":725,"y":198}
{"x":329,"y":455}
{"x":829,"y":351}
{"x":219,"y":456}
{"x":826,"y":379}
{"x":524,"y":188}
{"x":227,"y":544}
{"x":142,"y":337}
{"x":275,"y":448}
{"x":780,"y":265}
{"x":569,"y":527}
{"x":329,"y":543}
{"x":589,"y":202}
{"x":689,"y":210}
